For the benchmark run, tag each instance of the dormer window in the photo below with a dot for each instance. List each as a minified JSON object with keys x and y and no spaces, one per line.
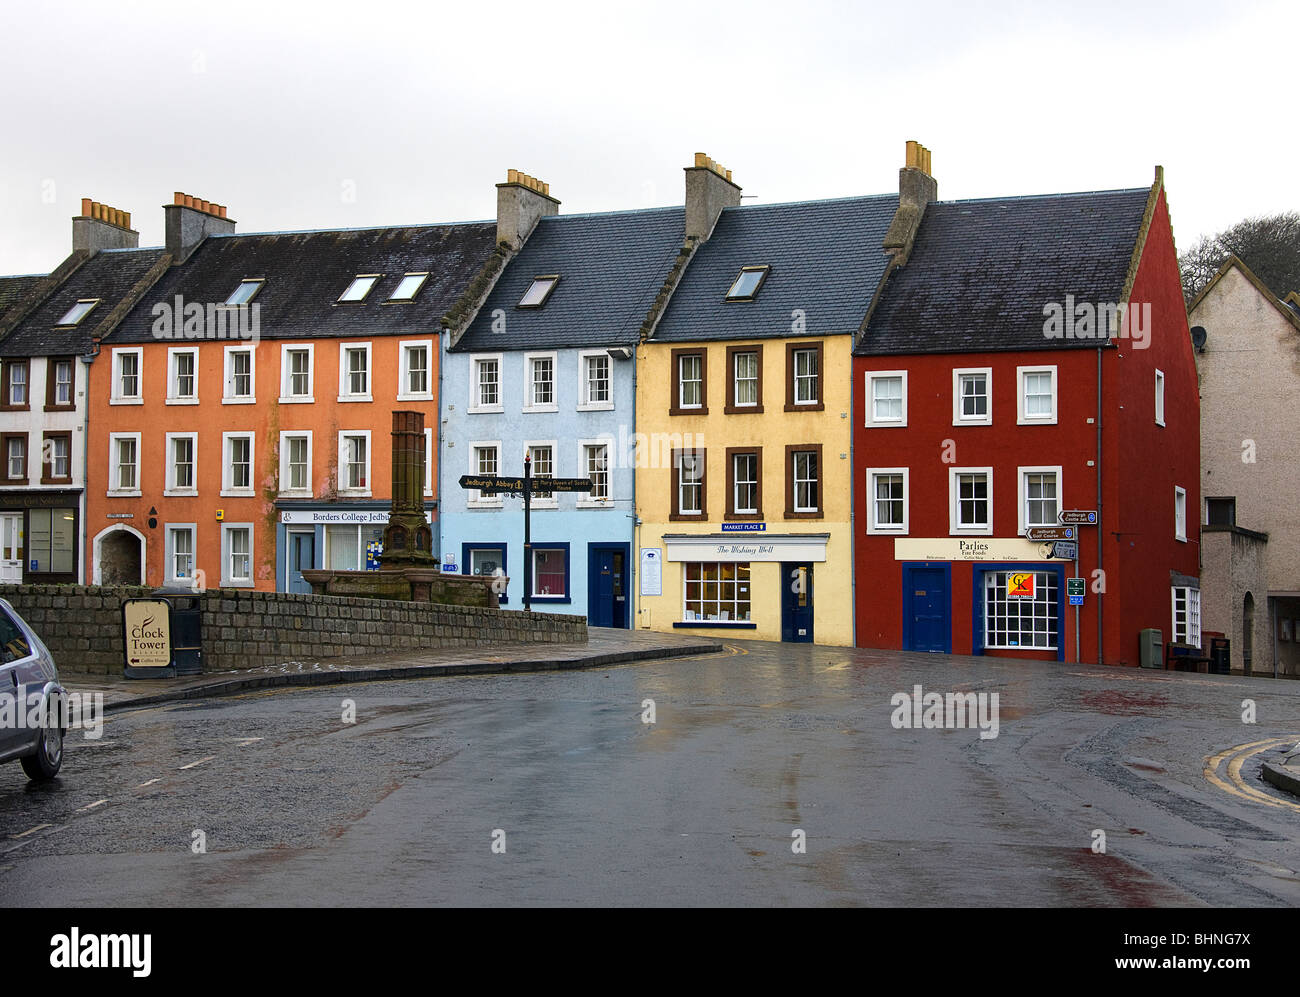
{"x":747,"y":283}
{"x":245,"y":292}
{"x":408,"y":287}
{"x":359,"y":287}
{"x":78,"y":311}
{"x":539,"y":290}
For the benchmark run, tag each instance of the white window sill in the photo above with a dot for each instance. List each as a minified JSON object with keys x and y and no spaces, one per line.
{"x":181,"y":401}
{"x":597,"y":407}
{"x":354,"y":493}
{"x":1026,"y":421}
{"x":179,"y":492}
{"x":297,"y":400}
{"x":483,"y":505}
{"x":134,"y":494}
{"x":423,"y":396}
{"x":237,"y":493}
{"x":486,"y":409}
{"x":534,"y":409}
{"x":239,"y":401}
{"x":887,"y":531}
{"x":595,"y":503}
{"x":294,"y":493}
{"x":886,"y":424}
{"x":972,"y":422}
{"x":355,"y":398}
{"x":232,"y":584}
{"x":126,"y":401}
{"x":971,"y":531}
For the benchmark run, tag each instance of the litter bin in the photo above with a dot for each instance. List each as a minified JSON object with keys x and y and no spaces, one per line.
{"x":1149,"y":644}
{"x":1220,"y":654}
{"x":187,"y":630}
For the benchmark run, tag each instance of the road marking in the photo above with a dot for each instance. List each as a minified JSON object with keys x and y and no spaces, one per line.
{"x":32,"y":830}
{"x":734,"y":649}
{"x":92,"y":806}
{"x":247,"y":741}
{"x":1236,"y":783}
{"x":149,"y":783}
{"x":199,"y":762}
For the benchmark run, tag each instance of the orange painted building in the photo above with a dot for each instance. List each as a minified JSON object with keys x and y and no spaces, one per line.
{"x":239,"y":414}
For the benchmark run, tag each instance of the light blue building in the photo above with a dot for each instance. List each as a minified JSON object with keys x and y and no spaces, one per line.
{"x":547,"y":369}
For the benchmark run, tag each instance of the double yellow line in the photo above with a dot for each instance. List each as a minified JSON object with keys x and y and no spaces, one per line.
{"x":1235,"y":784}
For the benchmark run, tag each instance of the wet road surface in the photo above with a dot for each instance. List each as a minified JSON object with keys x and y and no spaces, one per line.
{"x":551,"y":789}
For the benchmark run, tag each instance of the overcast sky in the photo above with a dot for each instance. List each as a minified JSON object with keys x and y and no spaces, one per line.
{"x":327,"y":115}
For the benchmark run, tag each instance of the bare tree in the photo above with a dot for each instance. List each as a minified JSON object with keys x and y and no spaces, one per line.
{"x":1269,"y":245}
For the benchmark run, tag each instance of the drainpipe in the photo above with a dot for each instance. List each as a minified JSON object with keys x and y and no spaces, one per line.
{"x":634,"y":555}
{"x":1101,"y":532}
{"x":853,"y":492}
{"x":86,"y":360}
{"x":439,"y":503}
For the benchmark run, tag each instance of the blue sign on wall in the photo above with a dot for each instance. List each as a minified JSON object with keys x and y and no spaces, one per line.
{"x":744,"y":527}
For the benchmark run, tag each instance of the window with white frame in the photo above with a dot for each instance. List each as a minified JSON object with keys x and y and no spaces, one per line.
{"x":58,"y":455}
{"x":807,"y":377}
{"x":745,"y":373}
{"x":972,"y":396}
{"x":1180,"y":513}
{"x":744,"y":483}
{"x":126,"y":376}
{"x":1020,"y":621}
{"x":180,"y":552}
{"x":690,"y":482}
{"x":807,"y":481}
{"x":970,"y":500}
{"x":542,"y":455}
{"x":715,"y":593}
{"x":539,"y":382}
{"x":297,"y":372}
{"x":1040,"y":496}
{"x":61,"y":374}
{"x":182,"y":375}
{"x":596,"y":391}
{"x":595,"y":465}
{"x":352,"y":548}
{"x":1036,"y":395}
{"x":237,"y":464}
{"x":16,"y":458}
{"x":181,"y":462}
{"x":240,"y":387}
{"x":886,"y":394}
{"x":887,"y":494}
{"x":484,"y":458}
{"x":1187,"y":615}
{"x":124,"y":464}
{"x":354,"y":461}
{"x":485,"y":383}
{"x":295,"y":463}
{"x":1160,"y":397}
{"x":237,"y":554}
{"x":354,"y":372}
{"x":415,"y":374}
{"x":690,"y":380}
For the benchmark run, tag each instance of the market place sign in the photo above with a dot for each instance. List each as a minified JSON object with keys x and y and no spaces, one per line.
{"x":966,"y":549}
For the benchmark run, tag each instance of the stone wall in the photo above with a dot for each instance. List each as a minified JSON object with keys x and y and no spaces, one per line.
{"x":82,"y":625}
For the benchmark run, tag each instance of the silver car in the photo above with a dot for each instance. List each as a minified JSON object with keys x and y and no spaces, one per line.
{"x":32,"y":703}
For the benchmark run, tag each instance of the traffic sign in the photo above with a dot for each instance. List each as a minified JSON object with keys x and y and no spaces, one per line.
{"x":1076,"y":600}
{"x":1078,"y":517}
{"x":1050,"y":533}
{"x":492,"y":484}
{"x":1065,"y":550}
{"x":1076,"y":586}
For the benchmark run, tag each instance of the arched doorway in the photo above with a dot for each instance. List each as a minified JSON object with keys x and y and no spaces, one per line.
{"x":1247,"y":632}
{"x":119,"y":556}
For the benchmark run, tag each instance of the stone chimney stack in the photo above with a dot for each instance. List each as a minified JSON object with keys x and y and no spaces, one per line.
{"x":101,"y":227}
{"x":190,"y":220}
{"x":709,"y":189}
{"x":916,"y":189}
{"x":521,"y":201}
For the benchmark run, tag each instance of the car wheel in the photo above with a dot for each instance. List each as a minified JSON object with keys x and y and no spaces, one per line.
{"x":47,"y":760}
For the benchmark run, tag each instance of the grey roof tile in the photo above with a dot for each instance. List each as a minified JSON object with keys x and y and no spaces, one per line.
{"x":611,"y":266}
{"x":981,"y":271}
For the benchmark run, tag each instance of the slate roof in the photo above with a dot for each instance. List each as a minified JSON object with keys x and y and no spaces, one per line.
{"x":611,"y":266}
{"x":826,"y":260}
{"x":14,"y":289}
{"x":306,"y":272}
{"x":108,"y":275}
{"x":982,"y":270}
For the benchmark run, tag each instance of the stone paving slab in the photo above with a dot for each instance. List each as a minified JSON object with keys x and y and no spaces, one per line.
{"x":1284,"y":771}
{"x":603,"y":647}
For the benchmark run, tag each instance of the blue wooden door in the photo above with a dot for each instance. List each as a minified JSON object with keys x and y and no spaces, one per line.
{"x":930,"y":608}
{"x":302,"y":554}
{"x":797,"y":603}
{"x":607,"y":586}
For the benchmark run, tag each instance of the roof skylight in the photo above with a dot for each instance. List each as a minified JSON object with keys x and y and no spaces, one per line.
{"x":539,"y":290}
{"x":360,"y":287}
{"x":78,"y":311}
{"x":245,"y":292}
{"x":408,"y":287}
{"x":747,"y":283}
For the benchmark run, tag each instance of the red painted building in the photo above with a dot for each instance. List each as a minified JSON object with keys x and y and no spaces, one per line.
{"x":1028,"y":356}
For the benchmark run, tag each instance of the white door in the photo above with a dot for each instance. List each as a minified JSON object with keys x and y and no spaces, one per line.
{"x":11,"y":547}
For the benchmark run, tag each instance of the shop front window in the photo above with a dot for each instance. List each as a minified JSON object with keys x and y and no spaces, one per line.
{"x":716,"y":593}
{"x":1020,"y":610}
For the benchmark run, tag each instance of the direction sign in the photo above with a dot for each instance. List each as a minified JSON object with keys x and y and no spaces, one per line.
{"x":1050,"y":533}
{"x":1078,"y":517}
{"x":1076,"y":586}
{"x":492,"y":484}
{"x":1076,"y":600}
{"x":1065,"y":550}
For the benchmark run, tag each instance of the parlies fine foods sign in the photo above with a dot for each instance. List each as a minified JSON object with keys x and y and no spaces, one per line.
{"x":966,"y":549}
{"x":147,"y":633}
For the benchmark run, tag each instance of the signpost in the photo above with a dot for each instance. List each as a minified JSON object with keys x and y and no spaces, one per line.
{"x":1078,"y":517}
{"x":1041,"y":533}
{"x":527,"y":486}
{"x":147,"y":638}
{"x":1070,"y":518}
{"x":1066,"y":550}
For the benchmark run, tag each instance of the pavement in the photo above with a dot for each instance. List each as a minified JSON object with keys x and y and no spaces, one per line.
{"x":603,"y":647}
{"x":1283,"y":771}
